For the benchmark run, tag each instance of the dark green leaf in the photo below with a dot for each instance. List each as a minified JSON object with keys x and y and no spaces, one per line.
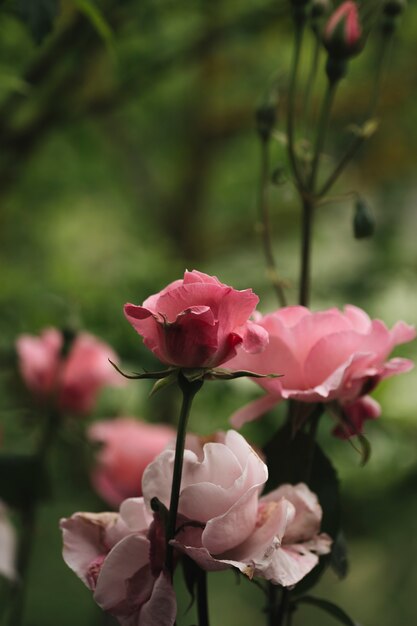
{"x":338,"y":559}
{"x":38,"y":15}
{"x":330,"y":608}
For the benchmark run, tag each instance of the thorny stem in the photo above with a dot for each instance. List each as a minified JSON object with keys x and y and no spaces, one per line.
{"x":266,"y":223}
{"x":189,"y":389}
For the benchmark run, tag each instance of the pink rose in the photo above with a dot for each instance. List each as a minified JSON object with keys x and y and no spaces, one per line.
{"x":75,"y":379}
{"x":7,"y":545}
{"x":128,"y":447}
{"x":119,"y":557}
{"x":197,"y":322}
{"x":323,"y":356}
{"x":224,"y":523}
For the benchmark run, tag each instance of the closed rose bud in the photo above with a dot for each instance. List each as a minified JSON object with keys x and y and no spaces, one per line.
{"x":392,"y":8}
{"x":363,"y":221}
{"x":342,"y":34}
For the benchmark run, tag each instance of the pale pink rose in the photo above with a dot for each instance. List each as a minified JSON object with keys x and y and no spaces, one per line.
{"x":223,"y":521}
{"x":324,"y":356}
{"x":72,"y":381}
{"x":197,"y":322}
{"x":7,"y":545}
{"x":119,"y":557}
{"x":129,"y":445}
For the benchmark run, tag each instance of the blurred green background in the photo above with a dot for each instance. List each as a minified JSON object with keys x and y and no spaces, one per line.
{"x":128,"y":153}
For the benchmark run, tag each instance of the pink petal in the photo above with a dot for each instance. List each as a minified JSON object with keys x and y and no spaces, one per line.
{"x":290,"y":564}
{"x":308,"y":513}
{"x":8,"y":546}
{"x":128,"y":557}
{"x":161,"y":608}
{"x":255,"y":338}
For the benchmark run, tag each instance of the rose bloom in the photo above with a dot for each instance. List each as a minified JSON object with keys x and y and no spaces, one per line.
{"x":120,"y":557}
{"x":74,"y":380}
{"x":197,"y":322}
{"x":324,"y":356}
{"x":129,"y":445}
{"x":225,"y":523}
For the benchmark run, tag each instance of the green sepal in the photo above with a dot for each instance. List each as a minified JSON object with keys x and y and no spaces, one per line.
{"x":169,"y":380}
{"x":145,"y":375}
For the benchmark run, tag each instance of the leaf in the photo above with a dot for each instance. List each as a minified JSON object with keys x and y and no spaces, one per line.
{"x":191,"y":572}
{"x":145,"y":375}
{"x":222,"y":374}
{"x":330,"y":608}
{"x":338,"y":559}
{"x":22,"y":479}
{"x":38,"y":15}
{"x":98,"y":21}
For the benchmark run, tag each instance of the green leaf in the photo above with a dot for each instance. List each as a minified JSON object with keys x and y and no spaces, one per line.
{"x":338,"y":559}
{"x":330,"y":608}
{"x":22,"y":479}
{"x":98,"y":21}
{"x":38,"y":15}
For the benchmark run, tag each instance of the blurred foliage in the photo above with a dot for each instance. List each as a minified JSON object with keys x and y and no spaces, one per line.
{"x":128,"y":153}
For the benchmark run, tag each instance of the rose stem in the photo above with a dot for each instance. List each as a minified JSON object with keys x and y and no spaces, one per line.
{"x":189,"y":390}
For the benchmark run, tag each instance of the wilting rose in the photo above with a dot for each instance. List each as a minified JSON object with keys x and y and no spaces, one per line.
{"x":197,"y":322}
{"x":72,"y":381}
{"x":225,"y":523}
{"x":129,"y":445}
{"x":7,"y":545}
{"x":324,"y":356}
{"x":119,"y":557}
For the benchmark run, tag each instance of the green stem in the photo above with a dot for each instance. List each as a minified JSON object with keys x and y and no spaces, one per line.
{"x":266,"y":223}
{"x":27,"y":531}
{"x":321,"y":132}
{"x":299,"y":30}
{"x":311,"y":80}
{"x":306,"y":242}
{"x":202,"y":603}
{"x":357,"y":142}
{"x":189,"y":390}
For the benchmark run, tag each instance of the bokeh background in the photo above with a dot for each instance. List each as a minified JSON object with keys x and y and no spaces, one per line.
{"x":128,"y":153}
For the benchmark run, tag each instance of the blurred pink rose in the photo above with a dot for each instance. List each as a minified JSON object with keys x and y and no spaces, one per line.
{"x":197,"y":322}
{"x":119,"y":557}
{"x":75,"y":379}
{"x":323,"y":356}
{"x":224,"y":522}
{"x":128,"y":447}
{"x":7,"y":545}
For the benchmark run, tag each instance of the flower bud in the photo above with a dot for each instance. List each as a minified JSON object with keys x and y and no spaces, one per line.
{"x":363,"y":221}
{"x":342,"y":34}
{"x":265,"y":120}
{"x":392,"y":8}
{"x":319,"y":8}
